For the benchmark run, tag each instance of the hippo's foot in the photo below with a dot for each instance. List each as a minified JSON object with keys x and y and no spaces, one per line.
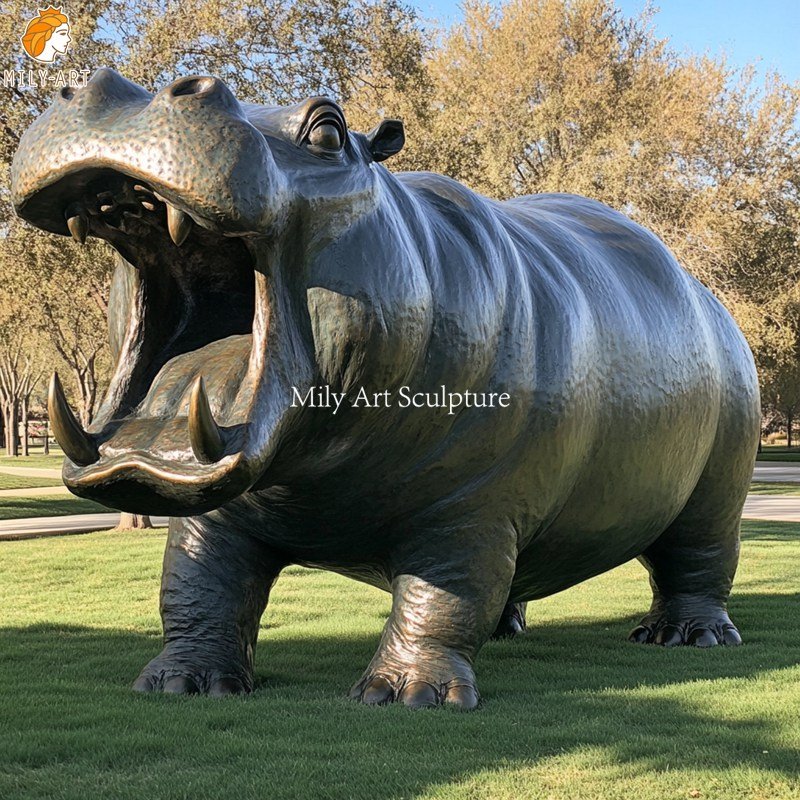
{"x":215,"y":587}
{"x":670,"y":630}
{"x":448,"y":593}
{"x":427,"y":683}
{"x":188,"y":673}
{"x":512,"y":621}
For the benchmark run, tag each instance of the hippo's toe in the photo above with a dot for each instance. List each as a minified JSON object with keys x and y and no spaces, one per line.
{"x":377,"y":691}
{"x":691,"y":632}
{"x":180,"y":676}
{"x":417,"y":691}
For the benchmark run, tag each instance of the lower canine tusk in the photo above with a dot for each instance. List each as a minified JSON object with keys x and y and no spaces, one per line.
{"x":78,"y":445}
{"x":78,"y":227}
{"x":204,"y":433}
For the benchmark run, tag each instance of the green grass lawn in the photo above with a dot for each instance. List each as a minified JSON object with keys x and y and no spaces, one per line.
{"x":24,"y":482}
{"x":571,"y":710}
{"x":35,"y":459}
{"x":767,"y":487}
{"x":774,"y":452}
{"x":47,"y":506}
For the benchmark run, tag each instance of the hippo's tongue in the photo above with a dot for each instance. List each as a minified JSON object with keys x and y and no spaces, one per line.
{"x":161,"y":425}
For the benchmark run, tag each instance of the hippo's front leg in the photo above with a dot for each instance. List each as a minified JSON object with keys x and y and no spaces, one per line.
{"x":214,"y":589}
{"x":449,"y":591}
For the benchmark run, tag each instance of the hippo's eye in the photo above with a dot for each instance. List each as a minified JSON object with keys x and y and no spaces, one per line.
{"x":326,"y":136}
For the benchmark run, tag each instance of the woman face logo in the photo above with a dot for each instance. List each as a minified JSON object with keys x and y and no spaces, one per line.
{"x":47,"y":35}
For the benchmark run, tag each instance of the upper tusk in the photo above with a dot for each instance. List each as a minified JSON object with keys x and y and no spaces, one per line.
{"x":179,"y":223}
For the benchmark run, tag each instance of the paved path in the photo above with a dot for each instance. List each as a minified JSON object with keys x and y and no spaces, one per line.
{"x":780,"y":508}
{"x":36,"y":491}
{"x":31,"y":472}
{"x":56,"y":526}
{"x":777,"y":471}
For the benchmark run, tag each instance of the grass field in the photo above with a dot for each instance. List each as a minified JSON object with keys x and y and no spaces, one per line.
{"x":774,"y":452}
{"x":768,"y":487}
{"x":47,"y":506}
{"x":571,"y":710}
{"x":35,"y":459}
{"x":26,"y":482}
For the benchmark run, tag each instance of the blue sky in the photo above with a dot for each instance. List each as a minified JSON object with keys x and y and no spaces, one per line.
{"x":766,"y":31}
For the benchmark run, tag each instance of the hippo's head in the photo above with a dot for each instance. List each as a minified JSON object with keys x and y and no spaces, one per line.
{"x":204,"y":199}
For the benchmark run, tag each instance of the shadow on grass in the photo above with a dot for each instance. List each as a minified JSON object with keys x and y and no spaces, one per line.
{"x":77,"y":729}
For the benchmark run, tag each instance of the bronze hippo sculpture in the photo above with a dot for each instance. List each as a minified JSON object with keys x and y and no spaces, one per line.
{"x":266,"y":259}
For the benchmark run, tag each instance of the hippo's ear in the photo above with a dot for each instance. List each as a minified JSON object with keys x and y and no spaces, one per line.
{"x":386,"y":139}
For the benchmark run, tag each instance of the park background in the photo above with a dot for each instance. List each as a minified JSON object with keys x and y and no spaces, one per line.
{"x":685,"y":118}
{"x":699,"y":146}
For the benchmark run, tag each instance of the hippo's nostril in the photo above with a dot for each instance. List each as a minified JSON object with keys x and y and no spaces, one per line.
{"x":193,"y":85}
{"x":67,"y":92}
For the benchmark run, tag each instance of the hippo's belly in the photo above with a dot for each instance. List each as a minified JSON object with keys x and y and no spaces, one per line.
{"x":629,"y":382}
{"x":621,"y":486}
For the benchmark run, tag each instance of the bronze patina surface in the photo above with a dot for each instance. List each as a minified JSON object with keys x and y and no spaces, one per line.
{"x":263,"y":251}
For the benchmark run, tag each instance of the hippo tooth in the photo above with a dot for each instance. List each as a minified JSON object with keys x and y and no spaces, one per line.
{"x":148,"y":205}
{"x":205,"y":435}
{"x":77,"y":444}
{"x":78,"y":226}
{"x":106,"y":207}
{"x":179,"y":224}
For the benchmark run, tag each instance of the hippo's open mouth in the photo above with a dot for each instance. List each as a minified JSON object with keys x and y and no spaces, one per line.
{"x":176,"y":430}
{"x":208,"y":315}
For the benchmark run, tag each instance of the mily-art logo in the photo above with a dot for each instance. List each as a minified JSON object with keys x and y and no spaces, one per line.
{"x":45,"y":38}
{"x":47,"y":35}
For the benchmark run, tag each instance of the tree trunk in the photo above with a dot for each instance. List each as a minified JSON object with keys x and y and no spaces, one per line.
{"x":86,"y":381}
{"x":47,"y":437}
{"x":25,"y":440}
{"x":789,"y":421}
{"x":134,"y":522}
{"x":13,"y":425}
{"x":6,"y":441}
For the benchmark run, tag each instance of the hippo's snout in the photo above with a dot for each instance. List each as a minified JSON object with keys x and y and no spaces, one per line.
{"x":190,"y":143}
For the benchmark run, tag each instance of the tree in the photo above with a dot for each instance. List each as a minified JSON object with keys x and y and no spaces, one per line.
{"x":572,"y":96}
{"x":780,"y":388}
{"x":22,"y":364}
{"x":50,"y":277}
{"x":17,"y":381}
{"x":275,"y":53}
{"x":64,"y":288}
{"x":773,"y":330}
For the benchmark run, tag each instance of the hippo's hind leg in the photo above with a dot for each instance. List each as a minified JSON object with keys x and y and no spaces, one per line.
{"x":512,"y":621}
{"x":449,"y":592}
{"x":692,"y":564}
{"x":214,"y":590}
{"x":691,"y":582}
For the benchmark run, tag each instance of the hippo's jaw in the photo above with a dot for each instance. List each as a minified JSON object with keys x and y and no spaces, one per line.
{"x":200,"y":393}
